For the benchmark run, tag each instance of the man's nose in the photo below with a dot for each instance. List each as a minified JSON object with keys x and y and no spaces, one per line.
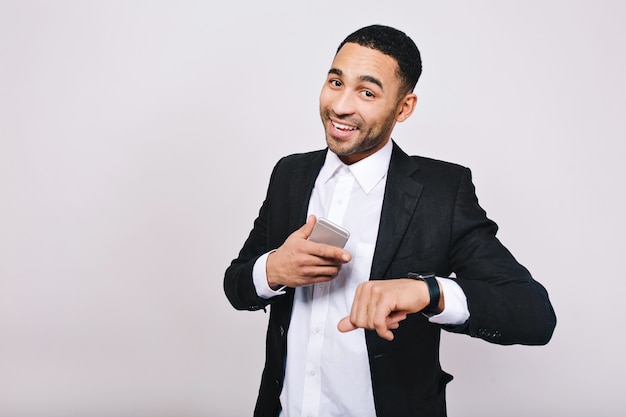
{"x":343,"y":103}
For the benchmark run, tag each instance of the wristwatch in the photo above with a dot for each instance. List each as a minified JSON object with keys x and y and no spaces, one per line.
{"x":433,"y":291}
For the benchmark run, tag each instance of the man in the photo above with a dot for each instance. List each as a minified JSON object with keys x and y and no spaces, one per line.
{"x":355,"y":331}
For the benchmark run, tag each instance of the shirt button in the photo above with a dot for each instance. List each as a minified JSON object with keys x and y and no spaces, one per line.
{"x":312,"y":372}
{"x":316,"y":330}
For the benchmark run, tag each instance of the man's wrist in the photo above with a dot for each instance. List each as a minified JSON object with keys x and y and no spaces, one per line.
{"x":274,"y":286}
{"x":260,"y":280}
{"x":434,"y":292}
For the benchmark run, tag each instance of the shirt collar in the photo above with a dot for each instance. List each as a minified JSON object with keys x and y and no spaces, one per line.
{"x":368,"y":172}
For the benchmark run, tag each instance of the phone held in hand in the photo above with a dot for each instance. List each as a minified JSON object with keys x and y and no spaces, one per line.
{"x":329,"y":233}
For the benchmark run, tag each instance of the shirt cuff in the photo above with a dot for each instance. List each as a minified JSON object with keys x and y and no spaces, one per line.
{"x":455,"y":311}
{"x":259,"y":278}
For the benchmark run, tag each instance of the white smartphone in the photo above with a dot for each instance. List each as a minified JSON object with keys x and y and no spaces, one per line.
{"x":329,"y":233}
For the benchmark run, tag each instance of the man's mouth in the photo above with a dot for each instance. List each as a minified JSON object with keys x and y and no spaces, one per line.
{"x":342,"y":127}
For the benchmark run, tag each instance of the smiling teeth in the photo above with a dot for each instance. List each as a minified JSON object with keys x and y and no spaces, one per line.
{"x":343,"y":127}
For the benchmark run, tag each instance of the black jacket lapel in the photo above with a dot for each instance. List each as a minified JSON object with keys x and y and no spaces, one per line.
{"x":301,"y":187}
{"x":402,"y":193}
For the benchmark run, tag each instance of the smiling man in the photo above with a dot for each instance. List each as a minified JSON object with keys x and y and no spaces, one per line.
{"x":355,"y":331}
{"x":361,"y":102}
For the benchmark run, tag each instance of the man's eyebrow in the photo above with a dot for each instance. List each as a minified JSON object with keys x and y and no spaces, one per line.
{"x":364,"y":78}
{"x":335,"y":71}
{"x":373,"y":80}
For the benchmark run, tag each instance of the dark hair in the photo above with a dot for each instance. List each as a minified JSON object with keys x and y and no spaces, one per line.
{"x":394,"y":43}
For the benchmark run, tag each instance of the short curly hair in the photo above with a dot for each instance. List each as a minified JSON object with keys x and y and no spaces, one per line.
{"x":394,"y":43}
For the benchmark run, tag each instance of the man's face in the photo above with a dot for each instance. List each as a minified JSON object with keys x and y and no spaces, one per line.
{"x":360,"y":102}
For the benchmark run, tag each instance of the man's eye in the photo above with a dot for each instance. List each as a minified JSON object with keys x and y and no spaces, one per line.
{"x":367,"y":94}
{"x":335,"y":83}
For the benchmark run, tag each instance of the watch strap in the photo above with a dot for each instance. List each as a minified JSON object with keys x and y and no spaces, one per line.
{"x":433,"y":291}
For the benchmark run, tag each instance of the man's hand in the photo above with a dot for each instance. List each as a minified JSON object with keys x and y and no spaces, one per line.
{"x":382,"y":304}
{"x":298,"y":261}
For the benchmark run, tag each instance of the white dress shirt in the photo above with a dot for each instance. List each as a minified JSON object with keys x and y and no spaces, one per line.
{"x":327,"y":372}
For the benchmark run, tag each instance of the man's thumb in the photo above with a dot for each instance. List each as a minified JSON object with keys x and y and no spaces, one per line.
{"x":307,"y":228}
{"x":345,"y":325}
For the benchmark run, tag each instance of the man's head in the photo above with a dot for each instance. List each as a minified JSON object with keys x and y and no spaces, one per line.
{"x":394,"y":43}
{"x":369,"y":88}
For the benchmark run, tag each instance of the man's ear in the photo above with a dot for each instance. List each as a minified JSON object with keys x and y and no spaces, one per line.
{"x":406,"y":107}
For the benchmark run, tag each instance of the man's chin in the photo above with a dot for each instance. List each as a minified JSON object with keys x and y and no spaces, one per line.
{"x":339,"y":151}
{"x":341,"y":148}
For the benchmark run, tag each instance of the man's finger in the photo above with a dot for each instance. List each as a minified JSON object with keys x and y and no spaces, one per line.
{"x":305,"y":231}
{"x":345,"y":325}
{"x":332,"y":253}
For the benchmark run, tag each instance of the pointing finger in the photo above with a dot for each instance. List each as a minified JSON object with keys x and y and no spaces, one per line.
{"x":345,"y":325}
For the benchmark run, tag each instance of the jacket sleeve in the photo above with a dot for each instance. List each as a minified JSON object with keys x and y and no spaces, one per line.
{"x":238,"y":285}
{"x":506,"y":305}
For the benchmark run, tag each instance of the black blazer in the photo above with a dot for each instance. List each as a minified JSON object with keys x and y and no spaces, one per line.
{"x":430,"y":222}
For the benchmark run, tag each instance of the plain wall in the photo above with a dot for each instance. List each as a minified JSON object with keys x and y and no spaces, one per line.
{"x":136,"y":143}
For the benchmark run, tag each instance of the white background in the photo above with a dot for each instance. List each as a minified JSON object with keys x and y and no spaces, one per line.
{"x":136,"y":142}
